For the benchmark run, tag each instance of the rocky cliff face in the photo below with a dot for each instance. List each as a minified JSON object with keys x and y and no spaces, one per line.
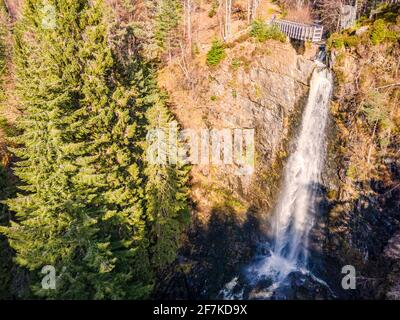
{"x":257,"y":86}
{"x":363,"y":178}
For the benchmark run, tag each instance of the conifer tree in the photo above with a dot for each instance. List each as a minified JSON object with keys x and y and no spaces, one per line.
{"x":166,"y":191}
{"x":89,"y":205}
{"x":80,"y":210}
{"x":167,"y":22}
{"x":5,"y":185}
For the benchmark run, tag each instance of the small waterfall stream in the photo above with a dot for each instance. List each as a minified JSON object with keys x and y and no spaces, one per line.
{"x":293,"y":216}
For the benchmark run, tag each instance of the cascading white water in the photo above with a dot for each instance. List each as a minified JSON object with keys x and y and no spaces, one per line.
{"x":294,"y":214}
{"x":296,"y":207}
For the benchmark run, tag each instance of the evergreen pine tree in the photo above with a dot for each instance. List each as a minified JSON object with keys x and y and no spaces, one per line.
{"x":167,"y":22}
{"x":89,"y":205}
{"x":80,"y":210}
{"x":166,"y":190}
{"x":5,"y":185}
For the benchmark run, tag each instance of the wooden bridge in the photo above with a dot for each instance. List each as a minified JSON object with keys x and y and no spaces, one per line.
{"x":300,"y":31}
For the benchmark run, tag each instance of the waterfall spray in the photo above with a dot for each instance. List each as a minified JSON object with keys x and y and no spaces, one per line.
{"x":296,"y":208}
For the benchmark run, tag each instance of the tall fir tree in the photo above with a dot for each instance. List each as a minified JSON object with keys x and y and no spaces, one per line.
{"x":166,"y":190}
{"x":168,"y":21}
{"x":81,"y":206}
{"x":166,"y":193}
{"x":90,"y":205}
{"x":5,"y":185}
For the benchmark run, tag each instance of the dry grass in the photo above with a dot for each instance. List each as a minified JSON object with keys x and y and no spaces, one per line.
{"x":302,"y":15}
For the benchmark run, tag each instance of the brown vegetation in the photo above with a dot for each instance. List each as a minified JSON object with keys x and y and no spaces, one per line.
{"x":301,"y":14}
{"x":13,"y":7}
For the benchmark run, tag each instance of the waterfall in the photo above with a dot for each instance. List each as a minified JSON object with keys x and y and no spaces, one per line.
{"x":293,"y":216}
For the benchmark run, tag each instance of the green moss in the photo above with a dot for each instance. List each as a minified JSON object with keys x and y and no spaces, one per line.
{"x":351,"y":41}
{"x":351,"y":172}
{"x":237,"y":205}
{"x":223,"y":197}
{"x":331,"y":195}
{"x":381,"y":29}
{"x":341,"y":40}
{"x":378,"y":32}
{"x":335,"y":41}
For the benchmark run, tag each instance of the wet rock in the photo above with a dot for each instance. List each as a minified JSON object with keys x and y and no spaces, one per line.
{"x":266,"y":93}
{"x":263,"y":284}
{"x":392,"y":250}
{"x":302,"y":286}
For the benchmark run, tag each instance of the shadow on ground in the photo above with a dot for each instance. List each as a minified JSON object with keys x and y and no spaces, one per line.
{"x":211,"y":255}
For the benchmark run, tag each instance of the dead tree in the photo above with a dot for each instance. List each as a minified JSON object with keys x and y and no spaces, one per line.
{"x":252,"y":6}
{"x":188,"y":22}
{"x":330,"y":12}
{"x":228,"y":18}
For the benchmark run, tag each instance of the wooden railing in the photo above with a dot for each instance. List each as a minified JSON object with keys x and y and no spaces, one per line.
{"x":300,"y":31}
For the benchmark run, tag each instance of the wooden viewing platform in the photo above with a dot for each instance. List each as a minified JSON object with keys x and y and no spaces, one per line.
{"x":300,"y":31}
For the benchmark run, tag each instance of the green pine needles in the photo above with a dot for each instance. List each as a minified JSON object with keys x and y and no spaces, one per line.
{"x":216,"y":54}
{"x":167,"y":22}
{"x":89,"y":204}
{"x":263,"y":32}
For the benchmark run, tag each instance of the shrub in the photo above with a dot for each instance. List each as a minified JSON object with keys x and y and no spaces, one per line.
{"x":8,"y":129}
{"x":351,"y":172}
{"x":213,"y":10}
{"x":351,"y":41}
{"x":236,"y":63}
{"x":216,"y":53}
{"x":380,"y":32}
{"x":262,"y":31}
{"x":338,"y":41}
{"x":335,"y":41}
{"x":283,"y":14}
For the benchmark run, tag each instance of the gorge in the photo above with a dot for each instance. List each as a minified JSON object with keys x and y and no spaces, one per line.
{"x":237,"y":214}
{"x":85,"y":88}
{"x":296,"y":209}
